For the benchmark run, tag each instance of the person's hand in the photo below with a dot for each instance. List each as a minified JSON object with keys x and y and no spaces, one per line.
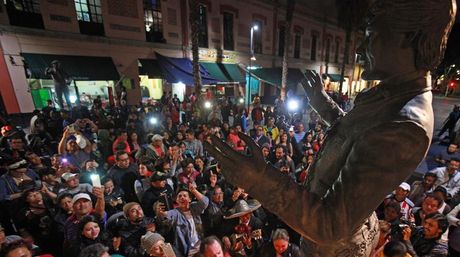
{"x":247,"y":241}
{"x":192,"y":187}
{"x":116,"y":242}
{"x":160,"y":209}
{"x":151,"y":227}
{"x":98,"y":192}
{"x":226,"y":242}
{"x":407,"y":232}
{"x":312,"y":84}
{"x":249,"y":166}
{"x":44,"y":189}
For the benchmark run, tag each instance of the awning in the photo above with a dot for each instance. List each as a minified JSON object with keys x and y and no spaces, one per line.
{"x":224,"y":72}
{"x":274,"y":75}
{"x":333,"y":77}
{"x":177,"y":70}
{"x":151,"y":68}
{"x":78,"y":67}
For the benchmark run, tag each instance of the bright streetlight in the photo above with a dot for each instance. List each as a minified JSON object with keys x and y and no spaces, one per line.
{"x":293,"y":105}
{"x":207,"y":105}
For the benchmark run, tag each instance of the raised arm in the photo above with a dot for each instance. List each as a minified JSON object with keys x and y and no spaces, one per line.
{"x":361,"y":185}
{"x":319,"y":100}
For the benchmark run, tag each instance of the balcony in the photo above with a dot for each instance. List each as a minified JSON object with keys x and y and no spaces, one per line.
{"x":91,"y":28}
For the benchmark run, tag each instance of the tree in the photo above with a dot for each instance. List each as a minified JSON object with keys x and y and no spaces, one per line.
{"x":287,"y":29}
{"x":350,"y":18}
{"x":194,"y":7}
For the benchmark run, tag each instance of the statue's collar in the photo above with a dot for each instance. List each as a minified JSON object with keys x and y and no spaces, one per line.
{"x":394,"y":88}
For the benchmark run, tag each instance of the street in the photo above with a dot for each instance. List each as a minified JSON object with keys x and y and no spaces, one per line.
{"x":442,"y":106}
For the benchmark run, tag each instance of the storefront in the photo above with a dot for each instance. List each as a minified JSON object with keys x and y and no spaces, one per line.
{"x":176,"y":75}
{"x":89,"y":77}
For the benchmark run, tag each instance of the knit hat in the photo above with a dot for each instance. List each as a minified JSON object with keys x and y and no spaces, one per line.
{"x":149,"y":240}
{"x":128,"y":207}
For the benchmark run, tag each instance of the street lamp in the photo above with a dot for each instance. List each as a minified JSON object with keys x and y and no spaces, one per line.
{"x":252,"y":58}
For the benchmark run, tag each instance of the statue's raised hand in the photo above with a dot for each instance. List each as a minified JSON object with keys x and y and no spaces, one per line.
{"x":236,"y":166}
{"x":313,"y":85}
{"x":319,"y":100}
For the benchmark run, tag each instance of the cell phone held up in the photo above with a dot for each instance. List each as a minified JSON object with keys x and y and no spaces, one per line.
{"x":165,"y":201}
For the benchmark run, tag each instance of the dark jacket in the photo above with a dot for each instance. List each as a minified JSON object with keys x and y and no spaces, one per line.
{"x":131,"y":236}
{"x":153,"y":195}
{"x":269,"y":251}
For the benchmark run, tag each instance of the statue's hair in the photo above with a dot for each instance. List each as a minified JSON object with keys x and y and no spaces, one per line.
{"x":427,"y":22}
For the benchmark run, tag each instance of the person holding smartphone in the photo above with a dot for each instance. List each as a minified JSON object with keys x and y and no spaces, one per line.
{"x":185,"y":219}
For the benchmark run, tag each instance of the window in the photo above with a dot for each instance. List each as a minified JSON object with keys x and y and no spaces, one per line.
{"x":89,"y":10}
{"x":25,"y":13}
{"x":30,"y":6}
{"x":228,"y":32}
{"x":337,"y":49}
{"x":203,"y":27}
{"x":258,"y":37}
{"x":281,"y":41}
{"x":328,"y":50}
{"x":153,"y":20}
{"x":297,"y":45}
{"x":314,"y":41}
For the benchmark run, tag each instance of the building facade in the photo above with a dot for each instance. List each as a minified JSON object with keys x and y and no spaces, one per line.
{"x":120,"y":33}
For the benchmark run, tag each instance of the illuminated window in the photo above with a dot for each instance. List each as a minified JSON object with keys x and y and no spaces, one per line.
{"x":153,"y":20}
{"x":89,"y":10}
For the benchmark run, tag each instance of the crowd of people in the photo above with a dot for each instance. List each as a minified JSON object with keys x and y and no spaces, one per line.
{"x":136,"y":181}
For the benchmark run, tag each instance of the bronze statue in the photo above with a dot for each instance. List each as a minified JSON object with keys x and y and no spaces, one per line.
{"x":368,"y":151}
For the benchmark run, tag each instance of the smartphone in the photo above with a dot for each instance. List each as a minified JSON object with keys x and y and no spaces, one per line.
{"x":96,"y":180}
{"x":166,"y":202}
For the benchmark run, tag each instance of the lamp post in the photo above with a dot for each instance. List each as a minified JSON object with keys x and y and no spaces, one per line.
{"x":252,"y":58}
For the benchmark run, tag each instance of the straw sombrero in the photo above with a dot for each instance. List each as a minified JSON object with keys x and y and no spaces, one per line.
{"x":242,"y":208}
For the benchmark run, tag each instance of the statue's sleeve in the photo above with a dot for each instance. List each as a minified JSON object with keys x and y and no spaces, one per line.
{"x":326,"y":107}
{"x":378,"y":161}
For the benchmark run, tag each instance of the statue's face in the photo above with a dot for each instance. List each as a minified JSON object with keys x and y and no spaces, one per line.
{"x":379,"y":51}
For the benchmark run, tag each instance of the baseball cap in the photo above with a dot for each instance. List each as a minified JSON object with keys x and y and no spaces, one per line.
{"x":80,"y":196}
{"x":158,"y":176}
{"x":405,"y":186}
{"x":67,"y":176}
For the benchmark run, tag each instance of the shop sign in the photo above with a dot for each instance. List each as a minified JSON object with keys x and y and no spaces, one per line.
{"x":212,"y":55}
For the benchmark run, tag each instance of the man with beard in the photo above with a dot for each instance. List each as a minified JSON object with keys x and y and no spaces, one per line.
{"x":132,"y":228}
{"x":419,"y":189}
{"x":368,"y":151}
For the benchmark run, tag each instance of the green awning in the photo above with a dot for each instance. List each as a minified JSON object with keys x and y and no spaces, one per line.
{"x":274,"y":75}
{"x":224,"y":72}
{"x":334,"y":77}
{"x":78,"y":67}
{"x":150,"y":67}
